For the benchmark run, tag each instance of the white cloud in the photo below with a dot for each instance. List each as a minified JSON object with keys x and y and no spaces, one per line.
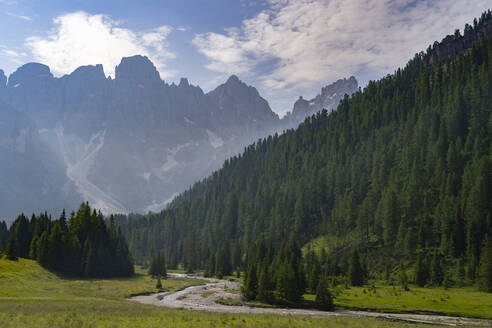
{"x":227,"y":53}
{"x":83,"y":39}
{"x":15,"y":56}
{"x":7,"y":2}
{"x":299,"y":44}
{"x":26,"y":18}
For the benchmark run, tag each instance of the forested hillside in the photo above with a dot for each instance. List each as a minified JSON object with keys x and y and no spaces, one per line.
{"x":401,"y":171}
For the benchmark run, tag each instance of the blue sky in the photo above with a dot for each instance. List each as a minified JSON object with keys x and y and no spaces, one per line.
{"x":285,"y":48}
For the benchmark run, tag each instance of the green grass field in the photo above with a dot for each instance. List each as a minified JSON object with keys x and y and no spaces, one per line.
{"x":33,"y":297}
{"x":463,"y":302}
{"x":466,"y":302}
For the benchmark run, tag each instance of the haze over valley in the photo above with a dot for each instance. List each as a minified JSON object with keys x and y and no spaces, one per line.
{"x":128,"y":144}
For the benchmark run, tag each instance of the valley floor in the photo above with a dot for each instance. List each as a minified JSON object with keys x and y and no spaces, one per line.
{"x":33,"y":297}
{"x":223,"y":296}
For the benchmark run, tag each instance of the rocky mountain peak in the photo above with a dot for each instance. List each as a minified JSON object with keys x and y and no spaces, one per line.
{"x":340,"y":85}
{"x":3,"y":79}
{"x":328,"y":99}
{"x":241,"y":102}
{"x":89,"y":72}
{"x":183,"y":82}
{"x":301,"y":106}
{"x":334,"y":91}
{"x":29,"y":72}
{"x":453,"y":45}
{"x":301,"y":101}
{"x":233,"y":79}
{"x":137,"y":68}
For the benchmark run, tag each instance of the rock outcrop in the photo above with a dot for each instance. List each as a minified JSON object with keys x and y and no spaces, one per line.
{"x":328,"y":99}
{"x":454,"y":45}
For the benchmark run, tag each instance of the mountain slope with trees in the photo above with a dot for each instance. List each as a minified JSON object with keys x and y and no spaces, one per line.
{"x":401,"y":171}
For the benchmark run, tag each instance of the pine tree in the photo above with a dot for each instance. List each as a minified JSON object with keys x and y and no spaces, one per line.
{"x":158,"y":285}
{"x":250,"y":288}
{"x":42,"y":250}
{"x":33,"y":248}
{"x":223,"y":265}
{"x":315,"y":275}
{"x":158,"y":266}
{"x":485,"y":274}
{"x":282,"y":284}
{"x":460,"y":272}
{"x":437,"y":274}
{"x":290,"y":285}
{"x":264,"y":285}
{"x":236,"y":258}
{"x":90,"y":268}
{"x":11,"y":249}
{"x":20,"y":228}
{"x":324,"y":300}
{"x":210,"y":266}
{"x":4,"y":234}
{"x":403,"y":280}
{"x":390,"y":215}
{"x":356,"y":274}
{"x":421,"y":272}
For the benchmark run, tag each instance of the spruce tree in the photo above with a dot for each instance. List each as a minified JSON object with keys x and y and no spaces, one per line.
{"x":421,"y":272}
{"x":33,"y":248}
{"x":210,"y":266}
{"x":356,"y":274}
{"x":42,"y":250}
{"x":4,"y":234}
{"x":485,"y":273}
{"x":437,"y":274}
{"x":315,"y":275}
{"x":460,"y":272}
{"x":403,"y":280}
{"x":20,"y":228}
{"x":250,"y":288}
{"x":264,"y":286}
{"x":158,"y":266}
{"x":11,"y":249}
{"x":324,"y":300}
{"x":158,"y":285}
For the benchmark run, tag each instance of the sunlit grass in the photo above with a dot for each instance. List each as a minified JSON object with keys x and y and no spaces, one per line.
{"x":33,"y":297}
{"x":466,"y":302}
{"x":25,"y":278}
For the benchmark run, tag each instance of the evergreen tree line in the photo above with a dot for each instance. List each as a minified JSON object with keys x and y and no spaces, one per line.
{"x":402,"y":169}
{"x":81,"y":246}
{"x":4,"y":234}
{"x":158,"y":266}
{"x":280,"y":275}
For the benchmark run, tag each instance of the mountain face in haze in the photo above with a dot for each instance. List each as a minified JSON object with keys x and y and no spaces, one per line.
{"x":127,"y":144}
{"x":30,"y":173}
{"x":328,"y":99}
{"x":3,"y":80}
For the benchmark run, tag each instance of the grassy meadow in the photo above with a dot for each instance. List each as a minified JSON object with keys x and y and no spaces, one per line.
{"x":465,"y":302}
{"x":462,"y":302}
{"x":30,"y":296}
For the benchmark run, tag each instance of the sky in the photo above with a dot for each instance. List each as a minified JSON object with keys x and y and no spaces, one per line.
{"x":285,"y":48}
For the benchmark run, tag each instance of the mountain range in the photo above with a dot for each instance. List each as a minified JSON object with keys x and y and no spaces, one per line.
{"x":128,"y":144}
